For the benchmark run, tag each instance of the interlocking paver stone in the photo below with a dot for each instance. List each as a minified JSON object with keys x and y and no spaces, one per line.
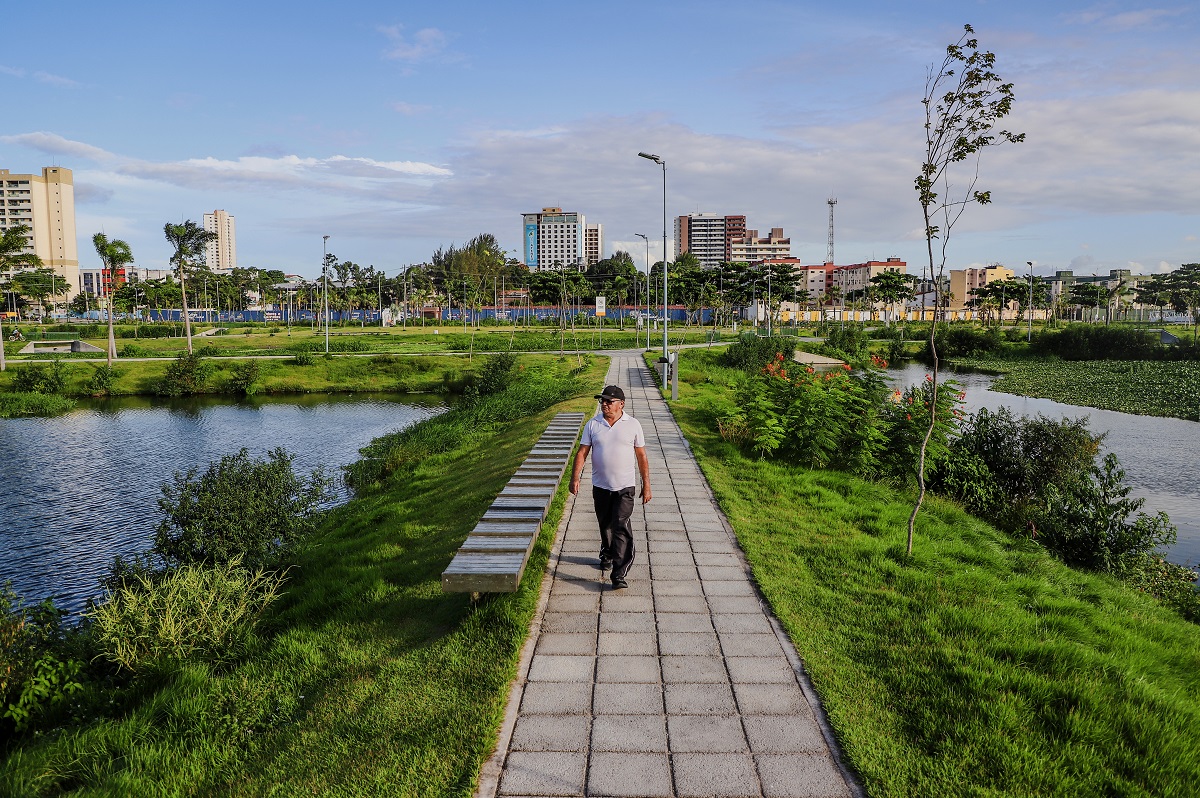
{"x":634,"y":733}
{"x":706,"y":734}
{"x":634,"y":775}
{"x":699,"y":699}
{"x":544,"y":773}
{"x":713,"y":775}
{"x":551,"y":733}
{"x":676,"y":686}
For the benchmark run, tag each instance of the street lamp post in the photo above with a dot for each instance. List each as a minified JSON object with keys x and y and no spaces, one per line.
{"x":647,"y":320}
{"x":665,"y":354}
{"x":325,"y":275}
{"x":1029,"y":338}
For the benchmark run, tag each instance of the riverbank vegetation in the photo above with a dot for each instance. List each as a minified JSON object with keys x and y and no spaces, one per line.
{"x":22,"y":403}
{"x":980,"y":663}
{"x":346,"y":669}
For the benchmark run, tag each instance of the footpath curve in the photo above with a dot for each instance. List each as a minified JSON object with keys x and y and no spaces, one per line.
{"x":684,"y":684}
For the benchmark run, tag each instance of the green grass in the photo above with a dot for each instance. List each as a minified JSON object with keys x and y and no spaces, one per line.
{"x":1144,"y":387}
{"x":246,"y":341}
{"x":368,"y":679}
{"x":15,"y":404}
{"x":980,"y":665}
{"x":333,"y":375}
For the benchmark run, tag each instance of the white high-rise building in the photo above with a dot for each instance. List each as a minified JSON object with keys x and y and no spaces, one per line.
{"x":556,"y":239}
{"x":221,"y":253}
{"x":703,"y":235}
{"x":46,"y":204}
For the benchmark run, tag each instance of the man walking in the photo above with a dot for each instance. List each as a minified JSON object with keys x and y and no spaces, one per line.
{"x":619,"y":454}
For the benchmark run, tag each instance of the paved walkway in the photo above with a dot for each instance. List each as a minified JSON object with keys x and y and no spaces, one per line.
{"x":681,"y":685}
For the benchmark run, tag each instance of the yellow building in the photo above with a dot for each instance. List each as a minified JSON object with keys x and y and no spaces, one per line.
{"x":964,"y":281}
{"x":45,"y":203}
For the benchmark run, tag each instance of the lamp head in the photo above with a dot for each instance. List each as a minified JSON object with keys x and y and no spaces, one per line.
{"x":648,"y":156}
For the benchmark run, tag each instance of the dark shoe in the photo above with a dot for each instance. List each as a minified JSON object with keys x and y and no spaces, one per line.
{"x":605,"y":564}
{"x":619,"y":584}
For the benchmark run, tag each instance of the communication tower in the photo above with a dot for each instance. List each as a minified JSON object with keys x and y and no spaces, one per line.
{"x":832,"y":201}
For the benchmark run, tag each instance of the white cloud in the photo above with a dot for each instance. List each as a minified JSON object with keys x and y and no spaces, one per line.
{"x":1104,"y":16}
{"x":53,"y":80}
{"x":338,"y":174}
{"x":422,"y":45}
{"x":409,"y":109}
{"x":13,"y":71}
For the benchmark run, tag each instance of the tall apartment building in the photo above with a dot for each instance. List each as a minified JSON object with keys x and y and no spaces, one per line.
{"x":707,"y":236}
{"x":593,"y":244}
{"x":749,"y":248}
{"x":964,"y":281}
{"x":857,"y":277}
{"x":46,"y":204}
{"x":556,"y":239}
{"x":221,"y":253}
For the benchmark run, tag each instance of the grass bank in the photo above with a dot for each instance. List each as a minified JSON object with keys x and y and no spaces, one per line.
{"x":366,"y":680}
{"x":264,"y":340}
{"x":337,"y":374}
{"x":979,"y":666}
{"x":13,"y":405}
{"x":1144,"y":387}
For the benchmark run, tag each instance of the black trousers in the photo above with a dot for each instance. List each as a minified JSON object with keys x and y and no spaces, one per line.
{"x":613,"y":509}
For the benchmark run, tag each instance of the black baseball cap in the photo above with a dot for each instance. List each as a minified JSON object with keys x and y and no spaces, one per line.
{"x":611,"y":392}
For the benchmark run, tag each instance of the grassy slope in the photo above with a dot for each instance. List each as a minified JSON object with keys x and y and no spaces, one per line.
{"x":981,"y":666}
{"x":336,"y":374}
{"x":374,"y":682}
{"x":1151,"y":388}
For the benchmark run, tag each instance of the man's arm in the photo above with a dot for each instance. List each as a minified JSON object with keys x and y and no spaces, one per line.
{"x":644,"y":467}
{"x":577,"y":469}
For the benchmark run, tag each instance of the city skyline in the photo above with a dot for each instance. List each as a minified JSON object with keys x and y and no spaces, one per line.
{"x":396,"y":132}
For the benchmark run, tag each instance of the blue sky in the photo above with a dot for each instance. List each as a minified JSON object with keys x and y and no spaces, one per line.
{"x":396,"y":128}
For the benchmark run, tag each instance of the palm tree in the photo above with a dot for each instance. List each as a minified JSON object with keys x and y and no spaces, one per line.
{"x":114,"y":255}
{"x":12,"y":256}
{"x":189,"y":241}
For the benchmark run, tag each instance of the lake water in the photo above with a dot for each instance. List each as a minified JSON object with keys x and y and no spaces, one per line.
{"x":80,"y":488}
{"x":1161,"y":456}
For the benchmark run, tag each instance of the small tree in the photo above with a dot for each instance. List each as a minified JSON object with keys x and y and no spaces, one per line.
{"x":189,"y":241}
{"x":114,"y":255}
{"x":964,"y":100}
{"x":13,"y":256}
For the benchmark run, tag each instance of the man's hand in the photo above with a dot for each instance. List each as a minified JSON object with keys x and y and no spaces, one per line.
{"x":645,"y":493}
{"x":574,"y":486}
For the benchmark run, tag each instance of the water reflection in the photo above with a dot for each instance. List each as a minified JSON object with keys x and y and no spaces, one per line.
{"x":81,"y":488}
{"x":1159,"y":455}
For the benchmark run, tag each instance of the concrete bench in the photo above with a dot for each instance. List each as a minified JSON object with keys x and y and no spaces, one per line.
{"x":494,"y":555}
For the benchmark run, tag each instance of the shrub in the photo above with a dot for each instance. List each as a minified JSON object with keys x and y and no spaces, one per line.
{"x":133,"y":350}
{"x":846,"y":341}
{"x":830,"y":420}
{"x":752,"y":354}
{"x":37,"y":378}
{"x":185,"y":375}
{"x":195,"y":612}
{"x":102,"y":380}
{"x":304,"y":358}
{"x":1021,"y":457}
{"x":496,"y":373}
{"x":245,"y":374}
{"x":1090,"y":522}
{"x":239,"y":508}
{"x":36,"y":676}
{"x":1094,"y":342}
{"x":963,"y":340}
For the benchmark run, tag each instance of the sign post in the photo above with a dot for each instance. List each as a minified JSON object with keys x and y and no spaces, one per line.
{"x":600,"y":316}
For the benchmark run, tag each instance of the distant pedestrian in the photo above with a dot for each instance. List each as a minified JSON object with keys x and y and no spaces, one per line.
{"x":619,"y":454}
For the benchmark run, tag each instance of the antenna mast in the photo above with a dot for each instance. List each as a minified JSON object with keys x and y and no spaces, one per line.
{"x":832,"y":201}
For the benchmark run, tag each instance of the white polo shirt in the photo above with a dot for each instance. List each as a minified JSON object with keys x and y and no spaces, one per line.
{"x":614,"y":465}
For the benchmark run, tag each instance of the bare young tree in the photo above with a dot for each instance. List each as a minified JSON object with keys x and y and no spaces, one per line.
{"x":964,"y":100}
